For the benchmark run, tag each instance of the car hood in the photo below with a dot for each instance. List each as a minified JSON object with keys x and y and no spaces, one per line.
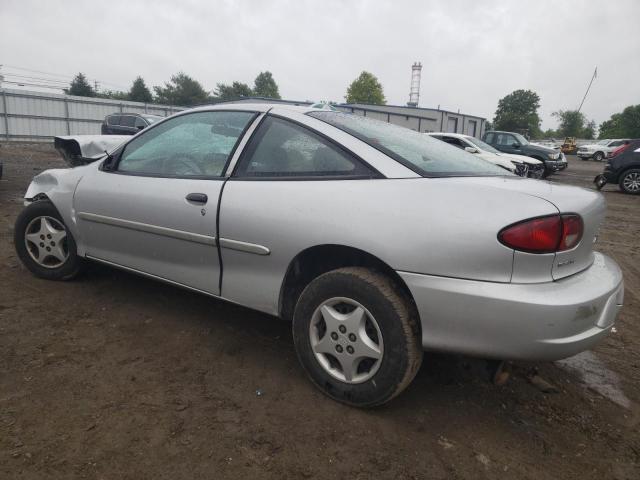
{"x":83,"y":149}
{"x":592,"y":146}
{"x":498,"y":160}
{"x":539,"y":148}
{"x":520,"y":158}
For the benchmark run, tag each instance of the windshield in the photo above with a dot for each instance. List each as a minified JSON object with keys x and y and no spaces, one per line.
{"x":151,"y":118}
{"x":603,"y":142}
{"x":481,"y":145}
{"x":521,"y":139}
{"x":419,"y":152}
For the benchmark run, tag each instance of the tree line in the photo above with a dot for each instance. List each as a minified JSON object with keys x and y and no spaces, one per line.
{"x":517,"y":111}
{"x":180,"y":90}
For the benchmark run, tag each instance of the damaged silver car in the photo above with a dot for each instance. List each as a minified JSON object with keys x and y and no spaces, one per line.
{"x":375,"y":241}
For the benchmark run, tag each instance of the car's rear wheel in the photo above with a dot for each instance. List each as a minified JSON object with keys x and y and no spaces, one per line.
{"x":598,"y":156}
{"x":357,"y":336}
{"x":44,"y":244}
{"x":630,"y":181}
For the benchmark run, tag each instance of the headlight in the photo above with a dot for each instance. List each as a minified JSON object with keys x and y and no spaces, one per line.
{"x":553,"y":156}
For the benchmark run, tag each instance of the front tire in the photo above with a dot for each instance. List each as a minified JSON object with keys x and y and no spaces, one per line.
{"x":630,"y":181}
{"x":357,"y":336}
{"x":598,"y":156}
{"x":44,"y":244}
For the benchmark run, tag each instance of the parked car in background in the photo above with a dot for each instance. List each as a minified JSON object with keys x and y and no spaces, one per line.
{"x":127,"y":123}
{"x":521,"y":165}
{"x":516,"y":144}
{"x":374,"y":240}
{"x":599,"y":151}
{"x":623,"y":168}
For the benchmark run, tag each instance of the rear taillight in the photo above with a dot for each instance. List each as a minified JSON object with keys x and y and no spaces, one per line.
{"x":554,"y":233}
{"x":619,"y":150}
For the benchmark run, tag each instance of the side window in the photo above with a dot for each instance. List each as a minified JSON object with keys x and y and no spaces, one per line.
{"x":127,"y":121}
{"x":506,"y":140}
{"x":489,"y":138}
{"x":454,"y":142}
{"x":140,"y":123}
{"x":616,"y":143}
{"x":283,"y":149}
{"x":191,"y":145}
{"x":113,"y":120}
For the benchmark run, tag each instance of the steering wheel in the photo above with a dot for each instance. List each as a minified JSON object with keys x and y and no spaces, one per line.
{"x":188,"y":163}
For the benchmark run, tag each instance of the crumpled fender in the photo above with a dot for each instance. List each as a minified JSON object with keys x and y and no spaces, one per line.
{"x":83,"y":149}
{"x":58,"y":185}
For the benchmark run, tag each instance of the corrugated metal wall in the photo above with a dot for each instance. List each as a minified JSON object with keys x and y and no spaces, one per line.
{"x":36,"y":116}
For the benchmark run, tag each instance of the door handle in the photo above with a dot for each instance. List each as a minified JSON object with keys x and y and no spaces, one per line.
{"x":197,"y":198}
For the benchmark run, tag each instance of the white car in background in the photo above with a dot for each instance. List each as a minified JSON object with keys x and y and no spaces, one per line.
{"x":518,"y":164}
{"x":599,"y":151}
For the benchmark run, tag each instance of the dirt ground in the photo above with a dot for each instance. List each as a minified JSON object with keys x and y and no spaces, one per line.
{"x":116,"y":376}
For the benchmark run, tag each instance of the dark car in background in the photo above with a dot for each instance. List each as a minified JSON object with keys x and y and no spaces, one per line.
{"x":127,"y":123}
{"x":623,"y":168}
{"x":516,"y":144}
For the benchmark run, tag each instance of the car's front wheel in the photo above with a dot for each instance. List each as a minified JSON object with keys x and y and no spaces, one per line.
{"x":630,"y":181}
{"x":357,"y":336}
{"x":44,"y":244}
{"x":598,"y":156}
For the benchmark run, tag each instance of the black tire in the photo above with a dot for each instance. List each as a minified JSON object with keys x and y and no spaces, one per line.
{"x":598,"y":156}
{"x":625,"y":175}
{"x":398,"y":324}
{"x":71,"y":266}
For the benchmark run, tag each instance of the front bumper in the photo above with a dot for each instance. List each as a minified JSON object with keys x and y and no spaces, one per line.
{"x":541,"y":321}
{"x":555,"y":165}
{"x":585,"y":154}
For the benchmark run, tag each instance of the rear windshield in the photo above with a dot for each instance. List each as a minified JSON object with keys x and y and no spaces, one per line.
{"x":424,"y":155}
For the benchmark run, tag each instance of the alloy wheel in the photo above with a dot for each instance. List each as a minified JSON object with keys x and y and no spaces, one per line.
{"x":346,"y":340}
{"x":631,"y":182}
{"x":46,"y":241}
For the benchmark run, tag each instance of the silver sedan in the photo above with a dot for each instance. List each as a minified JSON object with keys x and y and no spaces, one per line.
{"x":377,"y":242}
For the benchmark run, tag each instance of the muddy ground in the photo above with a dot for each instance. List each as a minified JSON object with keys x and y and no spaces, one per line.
{"x":116,"y":376}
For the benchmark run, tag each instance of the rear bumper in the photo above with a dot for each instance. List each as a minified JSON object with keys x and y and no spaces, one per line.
{"x":543,"y":321}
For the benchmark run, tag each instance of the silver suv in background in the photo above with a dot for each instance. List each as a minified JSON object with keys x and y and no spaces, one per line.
{"x":127,"y":123}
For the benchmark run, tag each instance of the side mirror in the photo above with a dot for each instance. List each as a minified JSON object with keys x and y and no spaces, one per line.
{"x":515,"y":145}
{"x":471,"y":149}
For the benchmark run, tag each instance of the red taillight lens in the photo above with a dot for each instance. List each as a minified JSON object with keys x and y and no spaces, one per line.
{"x":543,"y":235}
{"x":619,"y":150}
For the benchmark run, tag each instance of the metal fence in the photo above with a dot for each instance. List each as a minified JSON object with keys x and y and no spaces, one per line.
{"x":36,"y":116}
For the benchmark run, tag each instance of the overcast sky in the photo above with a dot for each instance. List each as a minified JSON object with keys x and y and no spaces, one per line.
{"x":472,"y":52}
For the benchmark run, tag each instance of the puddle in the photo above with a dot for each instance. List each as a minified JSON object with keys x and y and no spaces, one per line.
{"x":596,"y":376}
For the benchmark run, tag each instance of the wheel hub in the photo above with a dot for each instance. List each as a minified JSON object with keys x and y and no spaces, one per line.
{"x":46,"y":241}
{"x":346,"y":340}
{"x":632,"y":182}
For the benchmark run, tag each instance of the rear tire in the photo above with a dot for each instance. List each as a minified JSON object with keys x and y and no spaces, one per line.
{"x":44,"y":244}
{"x":341,"y":320}
{"x":630,"y":181}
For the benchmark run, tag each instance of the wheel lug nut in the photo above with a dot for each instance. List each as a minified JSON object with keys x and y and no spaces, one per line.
{"x":339,"y":348}
{"x":41,"y":237}
{"x":53,"y":244}
{"x":41,"y":244}
{"x":342,"y":328}
{"x":350,"y":349}
{"x":49,"y":236}
{"x":334,"y":336}
{"x":48,"y":249}
{"x":352,"y":337}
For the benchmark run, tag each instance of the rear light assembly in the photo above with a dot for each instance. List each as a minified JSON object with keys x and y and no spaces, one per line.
{"x":550,"y":234}
{"x":619,"y":150}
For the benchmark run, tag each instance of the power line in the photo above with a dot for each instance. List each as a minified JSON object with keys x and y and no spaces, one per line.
{"x":68,"y":78}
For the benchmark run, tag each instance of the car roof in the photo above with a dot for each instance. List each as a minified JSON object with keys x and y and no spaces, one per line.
{"x":456,"y":135}
{"x":255,"y":107}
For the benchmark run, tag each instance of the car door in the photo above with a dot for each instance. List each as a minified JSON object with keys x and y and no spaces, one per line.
{"x":283,"y":177}
{"x":127,"y":125}
{"x":154,"y":208}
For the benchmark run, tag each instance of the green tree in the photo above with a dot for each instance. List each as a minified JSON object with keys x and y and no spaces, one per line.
{"x":265,"y":86}
{"x":366,"y":89}
{"x":570,"y":122}
{"x":181,"y":90}
{"x":625,"y":124}
{"x":80,"y":86}
{"x":589,"y":131}
{"x":236,"y":90}
{"x":113,"y":94}
{"x":139,"y":91}
{"x":518,"y":112}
